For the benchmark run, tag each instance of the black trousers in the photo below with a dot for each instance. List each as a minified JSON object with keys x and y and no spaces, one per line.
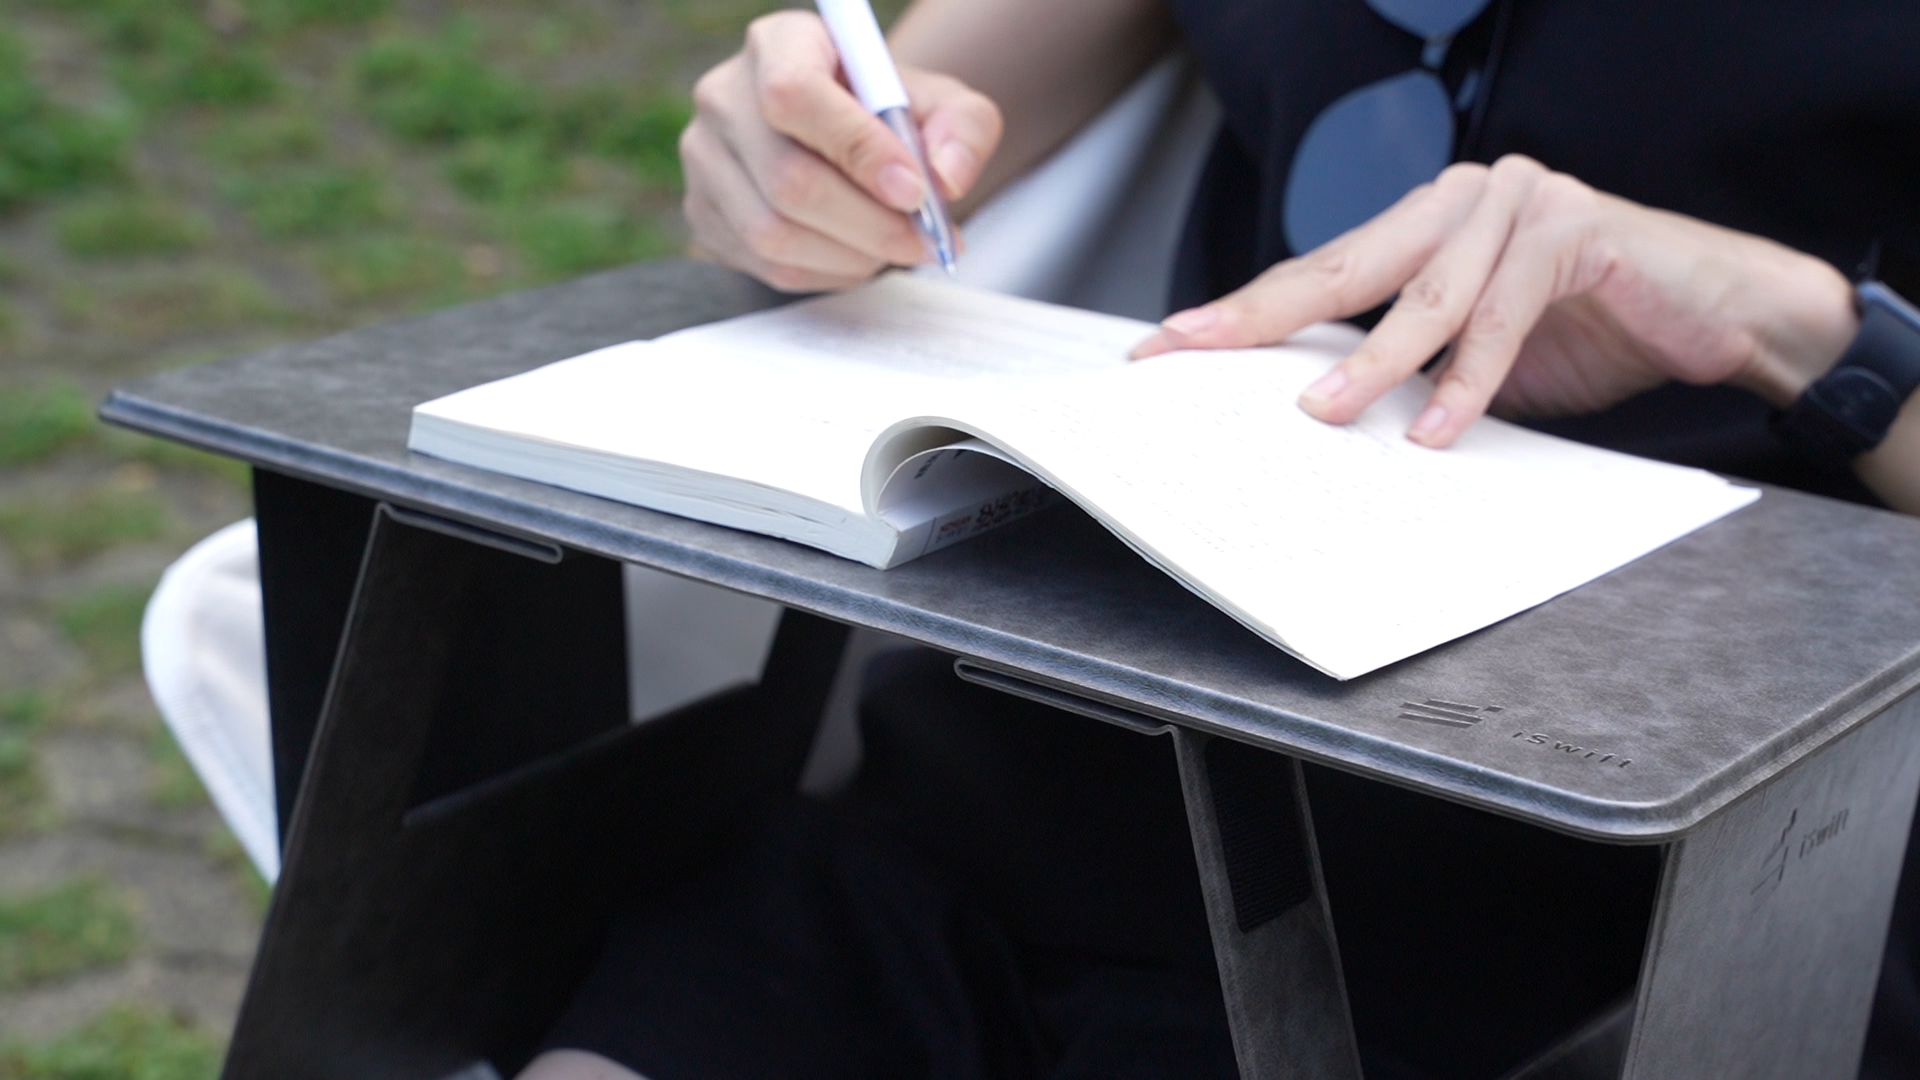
{"x":1009,"y":891}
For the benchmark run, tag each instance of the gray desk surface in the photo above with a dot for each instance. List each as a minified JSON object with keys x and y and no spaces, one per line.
{"x":1630,"y":709}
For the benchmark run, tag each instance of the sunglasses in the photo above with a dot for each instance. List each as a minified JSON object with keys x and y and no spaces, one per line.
{"x":1375,"y":144}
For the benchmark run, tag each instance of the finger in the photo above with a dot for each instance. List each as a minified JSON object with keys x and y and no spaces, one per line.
{"x":728,"y":251}
{"x":960,"y":127}
{"x":747,"y":233}
{"x":796,"y":83}
{"x":1433,"y":305}
{"x":1347,"y":275}
{"x":803,"y":187}
{"x":1532,"y":274}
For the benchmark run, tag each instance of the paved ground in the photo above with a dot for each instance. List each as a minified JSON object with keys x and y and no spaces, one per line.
{"x":181,"y":179}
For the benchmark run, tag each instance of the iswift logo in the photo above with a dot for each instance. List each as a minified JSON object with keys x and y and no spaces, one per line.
{"x":1452,"y":714}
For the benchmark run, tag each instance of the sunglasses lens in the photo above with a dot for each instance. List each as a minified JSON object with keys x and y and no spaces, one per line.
{"x":1429,"y":19}
{"x":1363,"y":153}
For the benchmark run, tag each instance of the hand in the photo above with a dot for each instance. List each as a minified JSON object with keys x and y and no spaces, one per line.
{"x":1549,"y":298}
{"x":792,"y":180}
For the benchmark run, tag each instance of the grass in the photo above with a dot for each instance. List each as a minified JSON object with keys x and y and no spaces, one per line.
{"x":61,"y":931}
{"x":510,"y":137}
{"x":440,"y":89}
{"x":173,"y":457}
{"x":390,"y":267}
{"x":509,"y":170}
{"x":49,"y":530}
{"x":75,"y":304}
{"x":175,"y":785}
{"x":317,"y":200}
{"x":301,"y":165}
{"x":38,"y":421}
{"x":280,"y":16}
{"x":224,"y":848}
{"x":563,"y":241}
{"x":162,"y":302}
{"x":126,"y":224}
{"x":122,"y":1044}
{"x":206,"y":70}
{"x":729,"y":16}
{"x":45,"y":149}
{"x":265,"y":139}
{"x":645,"y":133}
{"x":105,"y":623}
{"x":22,"y":715}
{"x":169,"y":53}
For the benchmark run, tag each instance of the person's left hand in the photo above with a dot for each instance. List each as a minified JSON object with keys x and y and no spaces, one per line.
{"x":1549,"y":297}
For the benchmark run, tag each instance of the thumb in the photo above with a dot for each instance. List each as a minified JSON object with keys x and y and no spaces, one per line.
{"x":795,"y":75}
{"x":960,"y":126}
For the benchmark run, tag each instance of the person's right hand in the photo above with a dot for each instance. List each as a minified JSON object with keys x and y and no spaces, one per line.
{"x":792,"y":180}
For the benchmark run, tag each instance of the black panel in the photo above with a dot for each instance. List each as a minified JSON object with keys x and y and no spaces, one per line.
{"x":405,"y":945}
{"x":538,"y":665}
{"x":1268,"y":867}
{"x":1471,"y":941}
{"x":312,"y":539}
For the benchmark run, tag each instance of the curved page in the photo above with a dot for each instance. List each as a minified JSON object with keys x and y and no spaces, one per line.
{"x":763,"y":422}
{"x":1350,"y":547}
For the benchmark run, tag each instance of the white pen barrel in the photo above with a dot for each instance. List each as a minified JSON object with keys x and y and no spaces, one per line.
{"x":935,"y":226}
{"x":863,"y":53}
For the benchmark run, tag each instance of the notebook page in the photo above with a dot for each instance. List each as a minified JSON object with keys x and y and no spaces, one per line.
{"x":791,"y":399}
{"x":1351,"y":545}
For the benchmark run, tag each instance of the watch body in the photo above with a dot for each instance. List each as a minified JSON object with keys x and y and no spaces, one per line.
{"x":1849,"y":410}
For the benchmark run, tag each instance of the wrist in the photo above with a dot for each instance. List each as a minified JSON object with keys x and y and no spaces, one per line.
{"x":1892,"y":469}
{"x":1805,"y":329}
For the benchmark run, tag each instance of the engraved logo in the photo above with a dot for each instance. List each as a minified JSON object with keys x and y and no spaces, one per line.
{"x":1561,"y":746}
{"x":1446,"y":713}
{"x":1794,"y":845}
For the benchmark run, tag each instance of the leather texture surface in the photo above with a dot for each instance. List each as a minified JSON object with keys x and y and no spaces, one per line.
{"x":1772,"y":917}
{"x":1630,"y":709}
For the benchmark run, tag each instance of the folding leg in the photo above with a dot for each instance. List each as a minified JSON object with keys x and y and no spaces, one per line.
{"x":312,"y":541}
{"x":474,"y":805}
{"x":1771,"y":917}
{"x":1266,"y":901}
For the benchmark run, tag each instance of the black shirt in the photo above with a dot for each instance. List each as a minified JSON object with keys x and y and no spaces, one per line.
{"x":1792,"y":119}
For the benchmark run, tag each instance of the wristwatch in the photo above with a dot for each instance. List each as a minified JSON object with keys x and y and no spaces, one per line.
{"x":1847,"y":411}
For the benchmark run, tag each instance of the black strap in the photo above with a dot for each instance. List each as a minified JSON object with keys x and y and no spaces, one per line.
{"x":1849,"y":410}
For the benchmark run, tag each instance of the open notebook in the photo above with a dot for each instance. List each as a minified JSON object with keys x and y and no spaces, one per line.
{"x":886,"y":422}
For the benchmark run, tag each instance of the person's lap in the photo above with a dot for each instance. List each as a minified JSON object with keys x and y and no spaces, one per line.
{"x":959,"y":913}
{"x":1009,"y":891}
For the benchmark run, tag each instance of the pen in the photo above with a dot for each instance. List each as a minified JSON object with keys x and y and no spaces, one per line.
{"x":863,"y":54}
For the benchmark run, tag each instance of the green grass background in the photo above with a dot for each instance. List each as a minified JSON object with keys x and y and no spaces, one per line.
{"x":183,"y":179}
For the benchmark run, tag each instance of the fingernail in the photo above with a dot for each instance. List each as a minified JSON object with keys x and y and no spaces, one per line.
{"x":1325,"y":388}
{"x":900,"y":187}
{"x":1154,"y":345}
{"x":1191,"y":321}
{"x":1428,"y":423}
{"x":955,"y":164}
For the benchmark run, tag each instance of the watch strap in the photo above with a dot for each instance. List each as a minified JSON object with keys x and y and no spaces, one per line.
{"x":1849,"y":410}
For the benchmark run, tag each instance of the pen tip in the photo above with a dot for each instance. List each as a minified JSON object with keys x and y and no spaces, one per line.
{"x":947,"y":263}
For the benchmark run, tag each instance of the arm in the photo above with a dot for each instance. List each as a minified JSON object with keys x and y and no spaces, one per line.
{"x":1050,"y":67}
{"x":1549,"y":297}
{"x":791,"y":180}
